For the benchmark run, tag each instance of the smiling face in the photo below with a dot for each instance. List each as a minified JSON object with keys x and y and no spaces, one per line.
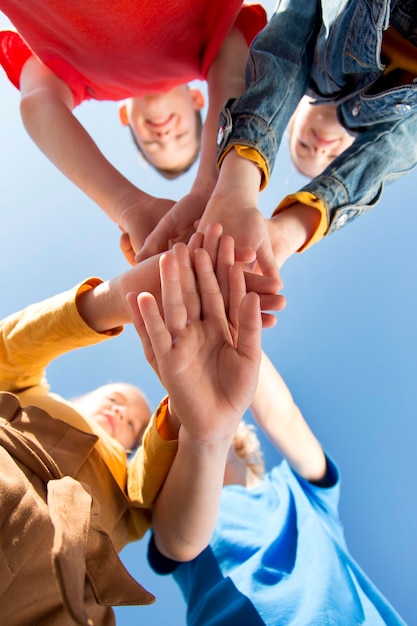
{"x":120,"y":409}
{"x":165,"y":126}
{"x":316,"y":137}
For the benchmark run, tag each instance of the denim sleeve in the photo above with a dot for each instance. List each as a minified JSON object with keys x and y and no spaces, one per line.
{"x":277,"y":76}
{"x":353,"y":183}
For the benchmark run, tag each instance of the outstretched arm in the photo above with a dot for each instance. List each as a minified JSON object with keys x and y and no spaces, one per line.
{"x":277,"y":76}
{"x":106,"y":308}
{"x":280,"y":418}
{"x":85,"y":315}
{"x":225,"y":79}
{"x":210,"y":380}
{"x":46,"y":108}
{"x":234,"y":203}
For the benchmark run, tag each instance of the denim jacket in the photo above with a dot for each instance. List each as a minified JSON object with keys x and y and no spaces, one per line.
{"x":329,"y":49}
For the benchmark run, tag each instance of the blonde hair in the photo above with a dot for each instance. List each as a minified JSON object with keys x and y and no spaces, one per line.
{"x":247,"y":446}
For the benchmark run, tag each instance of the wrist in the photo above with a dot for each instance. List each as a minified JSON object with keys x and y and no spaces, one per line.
{"x":239,"y":175}
{"x":203,"y":186}
{"x":290,"y":229}
{"x":205,"y":447}
{"x":101,"y":310}
{"x":128,"y":199}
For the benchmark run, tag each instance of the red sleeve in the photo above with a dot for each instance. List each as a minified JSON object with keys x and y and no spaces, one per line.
{"x":13,"y":55}
{"x":252,"y":18}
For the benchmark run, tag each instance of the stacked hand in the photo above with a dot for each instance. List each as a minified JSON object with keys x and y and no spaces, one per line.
{"x":139,"y":216}
{"x":204,"y":348}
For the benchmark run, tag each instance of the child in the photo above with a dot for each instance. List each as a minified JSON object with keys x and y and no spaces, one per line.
{"x":65,"y":511}
{"x":357,"y":57}
{"x":278,"y":553}
{"x":146,"y":53}
{"x":316,"y":136}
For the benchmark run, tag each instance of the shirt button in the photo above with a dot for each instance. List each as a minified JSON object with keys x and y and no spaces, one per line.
{"x":401,"y":108}
{"x":220,"y":135}
{"x":356,"y":109}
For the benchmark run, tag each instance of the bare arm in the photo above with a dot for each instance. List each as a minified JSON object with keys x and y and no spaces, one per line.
{"x":279,"y":417}
{"x":210,"y":381}
{"x":291,"y":229}
{"x":104,"y":307}
{"x":225,"y":79}
{"x":234,"y":203}
{"x":46,"y":108}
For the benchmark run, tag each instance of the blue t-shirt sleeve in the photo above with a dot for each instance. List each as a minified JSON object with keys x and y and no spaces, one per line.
{"x":160,"y":564}
{"x":324,"y":497}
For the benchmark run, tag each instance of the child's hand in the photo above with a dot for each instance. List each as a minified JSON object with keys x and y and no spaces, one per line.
{"x":221,"y":249}
{"x":210,"y":378}
{"x":233,"y":204}
{"x":175,"y":227}
{"x":292,"y":229}
{"x":246,"y":225}
{"x":138,"y":216}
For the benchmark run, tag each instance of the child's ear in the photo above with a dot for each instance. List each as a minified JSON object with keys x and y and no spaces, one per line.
{"x":197,"y":98}
{"x":123,"y":117}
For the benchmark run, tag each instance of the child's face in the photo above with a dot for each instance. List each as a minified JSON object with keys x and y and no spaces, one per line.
{"x":120,"y":410}
{"x":165,"y":126}
{"x":316,"y":137}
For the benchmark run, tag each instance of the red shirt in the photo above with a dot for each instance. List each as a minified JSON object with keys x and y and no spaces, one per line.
{"x":115,"y":49}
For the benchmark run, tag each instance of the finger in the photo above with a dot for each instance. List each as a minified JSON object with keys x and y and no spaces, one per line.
{"x":196,"y":241}
{"x":127,"y":249}
{"x":225,"y":260}
{"x":237,"y":291}
{"x":272,"y":302}
{"x":245,"y":255}
{"x":155,"y":243}
{"x":190,"y":295}
{"x":175,"y":313}
{"x":159,"y":338}
{"x":182,"y":237}
{"x":212,"y":303}
{"x":268,"y":320}
{"x":148,"y":250}
{"x":266,"y":260}
{"x":250,"y":328}
{"x":265,"y":287}
{"x":262,"y":284}
{"x":212,"y":241}
{"x":139,"y":324}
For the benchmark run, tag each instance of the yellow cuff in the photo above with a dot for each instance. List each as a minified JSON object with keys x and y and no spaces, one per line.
{"x":162,"y":425}
{"x":251,"y":155}
{"x":309,"y":199}
{"x":87,"y":285}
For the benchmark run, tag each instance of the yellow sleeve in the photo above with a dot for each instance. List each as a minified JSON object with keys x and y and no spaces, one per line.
{"x":252,"y":155}
{"x":309,"y":199}
{"x":150,"y":466}
{"x":33,"y":337}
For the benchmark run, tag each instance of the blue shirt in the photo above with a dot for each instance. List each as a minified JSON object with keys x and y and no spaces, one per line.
{"x":278,"y":556}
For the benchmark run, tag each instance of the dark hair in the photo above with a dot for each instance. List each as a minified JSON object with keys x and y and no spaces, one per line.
{"x":173,"y":173}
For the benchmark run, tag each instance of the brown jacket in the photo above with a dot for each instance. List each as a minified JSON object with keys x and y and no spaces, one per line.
{"x":64,"y":512}
{"x":58,"y":562}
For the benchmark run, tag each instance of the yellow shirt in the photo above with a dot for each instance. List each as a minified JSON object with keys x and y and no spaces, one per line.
{"x":29,"y":341}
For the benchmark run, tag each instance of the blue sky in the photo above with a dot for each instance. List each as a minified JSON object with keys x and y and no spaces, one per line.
{"x":346,"y":344}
